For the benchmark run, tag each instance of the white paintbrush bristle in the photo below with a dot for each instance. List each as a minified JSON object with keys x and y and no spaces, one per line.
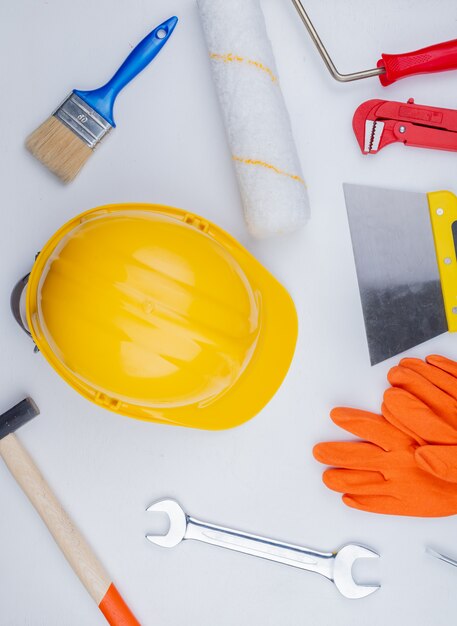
{"x":58,"y":148}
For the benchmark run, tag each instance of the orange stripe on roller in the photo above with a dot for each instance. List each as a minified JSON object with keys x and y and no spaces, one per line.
{"x":230,"y":58}
{"x":270,"y":167}
{"x":115,"y":610}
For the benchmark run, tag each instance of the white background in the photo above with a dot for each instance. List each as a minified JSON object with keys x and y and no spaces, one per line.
{"x":169,"y":147}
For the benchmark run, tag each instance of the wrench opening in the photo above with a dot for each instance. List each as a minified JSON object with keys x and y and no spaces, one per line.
{"x":178,"y":524}
{"x":342,"y":571}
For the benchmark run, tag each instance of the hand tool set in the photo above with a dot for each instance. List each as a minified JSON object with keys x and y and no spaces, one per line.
{"x":158,"y":314}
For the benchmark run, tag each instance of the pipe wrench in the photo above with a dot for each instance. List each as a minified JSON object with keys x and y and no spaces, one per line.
{"x":378,"y":123}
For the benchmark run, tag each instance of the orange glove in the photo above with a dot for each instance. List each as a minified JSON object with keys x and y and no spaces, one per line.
{"x":380,"y":474}
{"x":423,"y":403}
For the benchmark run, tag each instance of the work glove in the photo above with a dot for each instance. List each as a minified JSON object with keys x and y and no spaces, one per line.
{"x":422,"y":402}
{"x":381,"y":474}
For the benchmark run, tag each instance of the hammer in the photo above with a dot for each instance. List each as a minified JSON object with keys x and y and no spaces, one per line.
{"x":78,"y":553}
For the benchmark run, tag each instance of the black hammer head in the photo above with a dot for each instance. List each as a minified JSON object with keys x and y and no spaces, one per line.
{"x":17,"y":416}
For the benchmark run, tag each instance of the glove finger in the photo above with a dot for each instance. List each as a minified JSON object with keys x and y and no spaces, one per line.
{"x":350,"y":455}
{"x":440,"y":402}
{"x":439,"y":377}
{"x":441,"y":461}
{"x":389,"y":505}
{"x":407,"y":412}
{"x":354,"y":481}
{"x":447,"y":365}
{"x":413,"y":437}
{"x":370,"y":426}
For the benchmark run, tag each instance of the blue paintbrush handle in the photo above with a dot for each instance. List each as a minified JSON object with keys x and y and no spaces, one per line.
{"x":102,"y":99}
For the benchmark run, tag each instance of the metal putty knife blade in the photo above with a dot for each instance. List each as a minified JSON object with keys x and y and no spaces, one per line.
{"x":397,"y":271}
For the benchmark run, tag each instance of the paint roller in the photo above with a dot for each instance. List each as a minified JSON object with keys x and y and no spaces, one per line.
{"x":258,"y":128}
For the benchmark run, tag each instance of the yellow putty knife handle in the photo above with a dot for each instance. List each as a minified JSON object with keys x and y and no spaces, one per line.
{"x":443,"y":215}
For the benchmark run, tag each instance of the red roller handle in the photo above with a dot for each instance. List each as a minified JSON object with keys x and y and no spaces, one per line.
{"x":437,"y":58}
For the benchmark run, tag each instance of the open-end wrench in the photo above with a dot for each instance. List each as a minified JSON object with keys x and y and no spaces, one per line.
{"x":336,"y":566}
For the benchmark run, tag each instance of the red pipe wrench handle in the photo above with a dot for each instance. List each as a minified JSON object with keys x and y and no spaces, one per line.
{"x":437,"y":58}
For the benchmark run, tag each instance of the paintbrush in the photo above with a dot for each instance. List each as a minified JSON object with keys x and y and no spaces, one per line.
{"x":65,"y":141}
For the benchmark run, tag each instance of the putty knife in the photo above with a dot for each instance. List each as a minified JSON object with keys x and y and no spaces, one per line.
{"x":405,"y":256}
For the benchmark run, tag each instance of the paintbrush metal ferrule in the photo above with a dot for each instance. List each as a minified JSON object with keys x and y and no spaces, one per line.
{"x":83,"y":120}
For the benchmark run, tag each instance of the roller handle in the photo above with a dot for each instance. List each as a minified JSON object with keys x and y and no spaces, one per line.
{"x":438,"y":58}
{"x":102,"y":99}
{"x":78,"y":553}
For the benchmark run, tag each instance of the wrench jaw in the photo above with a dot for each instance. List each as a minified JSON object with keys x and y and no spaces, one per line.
{"x":178,"y":523}
{"x":342,"y":571}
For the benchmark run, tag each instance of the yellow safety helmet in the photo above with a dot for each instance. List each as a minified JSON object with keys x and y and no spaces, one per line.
{"x":158,"y":314}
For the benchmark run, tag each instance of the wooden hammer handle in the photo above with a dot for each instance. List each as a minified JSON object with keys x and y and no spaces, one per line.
{"x":78,"y":553}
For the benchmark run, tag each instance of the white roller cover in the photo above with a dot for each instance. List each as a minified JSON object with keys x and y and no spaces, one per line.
{"x":256,"y":119}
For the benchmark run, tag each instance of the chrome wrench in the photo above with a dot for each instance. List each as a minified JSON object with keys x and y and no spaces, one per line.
{"x":336,"y":566}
